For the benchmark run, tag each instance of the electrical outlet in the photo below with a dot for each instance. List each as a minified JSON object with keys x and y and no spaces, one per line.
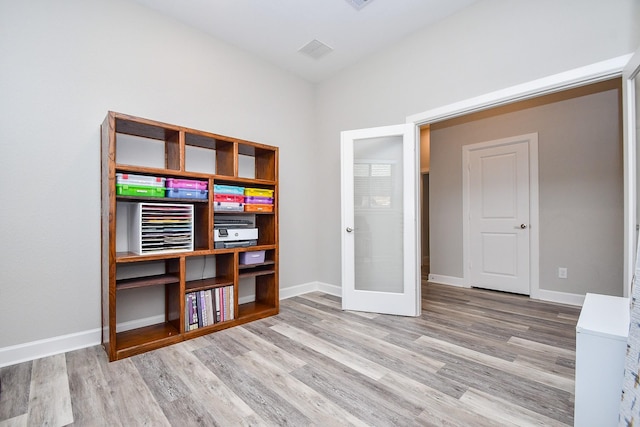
{"x":562,"y":272}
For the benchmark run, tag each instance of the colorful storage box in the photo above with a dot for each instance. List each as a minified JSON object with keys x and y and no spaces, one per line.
{"x":228,"y":207}
{"x":253,"y":257}
{"x":258,"y":200}
{"x":227,"y":189}
{"x":139,"y":180}
{"x":233,"y":198}
{"x":185,"y":193}
{"x":258,"y":208}
{"x":186,"y":183}
{"x":259,"y":192}
{"x":139,"y":190}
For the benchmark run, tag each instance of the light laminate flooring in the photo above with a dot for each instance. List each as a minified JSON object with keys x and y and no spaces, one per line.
{"x":474,"y":358}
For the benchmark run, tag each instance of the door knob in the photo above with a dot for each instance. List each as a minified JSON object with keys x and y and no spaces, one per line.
{"x":523,"y":226}
{"x":349,"y":229}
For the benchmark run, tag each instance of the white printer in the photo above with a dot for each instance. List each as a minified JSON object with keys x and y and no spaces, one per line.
{"x":234,"y":232}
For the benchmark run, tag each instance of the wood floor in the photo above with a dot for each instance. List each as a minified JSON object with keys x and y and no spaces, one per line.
{"x":474,"y":358}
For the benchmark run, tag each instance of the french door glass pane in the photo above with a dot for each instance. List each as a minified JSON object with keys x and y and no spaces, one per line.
{"x":378,"y":212}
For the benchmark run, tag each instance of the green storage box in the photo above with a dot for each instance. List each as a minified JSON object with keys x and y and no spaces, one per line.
{"x":139,"y":190}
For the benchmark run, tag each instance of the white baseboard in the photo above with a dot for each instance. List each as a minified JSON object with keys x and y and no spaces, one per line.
{"x":334,"y":290}
{"x":48,"y":347}
{"x":540,"y":294}
{"x":448,"y":280}
{"x":293,"y":291}
{"x":558,"y":297}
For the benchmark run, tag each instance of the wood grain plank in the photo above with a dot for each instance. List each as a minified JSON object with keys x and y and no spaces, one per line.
{"x":50,"y":398}
{"x":162,"y":381}
{"x":135,"y":402}
{"x":537,"y":375}
{"x":257,"y":395}
{"x":19,"y":421}
{"x":275,"y":354}
{"x":440,"y":409}
{"x":308,"y":401}
{"x":505,"y":412}
{"x":14,"y":398}
{"x":339,"y":354}
{"x":365,"y":398}
{"x":223,"y":405}
{"x":344,"y":321}
{"x":91,"y":401}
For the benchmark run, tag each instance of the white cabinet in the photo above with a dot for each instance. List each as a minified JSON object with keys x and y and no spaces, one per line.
{"x":601,"y":344}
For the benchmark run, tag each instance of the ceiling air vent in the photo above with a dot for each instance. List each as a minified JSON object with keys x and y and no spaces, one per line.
{"x":359,"y":4}
{"x":315,"y":49}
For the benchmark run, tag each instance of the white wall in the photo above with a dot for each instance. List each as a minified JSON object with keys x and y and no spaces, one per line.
{"x":63,"y":65}
{"x":491,"y":45}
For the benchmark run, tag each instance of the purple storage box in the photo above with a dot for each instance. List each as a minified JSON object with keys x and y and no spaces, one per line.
{"x":186,"y":183}
{"x":253,"y":257}
{"x":258,"y":200}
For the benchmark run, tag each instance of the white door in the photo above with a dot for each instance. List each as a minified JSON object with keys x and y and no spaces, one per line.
{"x":379,"y":229}
{"x":499,"y":217}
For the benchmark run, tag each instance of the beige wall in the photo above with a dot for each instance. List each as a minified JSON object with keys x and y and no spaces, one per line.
{"x":580,"y":186}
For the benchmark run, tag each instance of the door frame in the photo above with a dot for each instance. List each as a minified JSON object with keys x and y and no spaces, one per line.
{"x":534,"y":211}
{"x":630,"y":72}
{"x":597,"y":72}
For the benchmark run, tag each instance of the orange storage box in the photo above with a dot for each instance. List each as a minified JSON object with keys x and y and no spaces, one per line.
{"x":258,"y":208}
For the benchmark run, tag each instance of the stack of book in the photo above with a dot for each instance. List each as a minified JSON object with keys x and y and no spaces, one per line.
{"x":208,"y":307}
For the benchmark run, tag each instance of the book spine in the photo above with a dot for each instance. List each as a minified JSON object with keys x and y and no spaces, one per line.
{"x":194,"y":312}
{"x":187,"y":312}
{"x":207,"y":297}
{"x":203,"y":310}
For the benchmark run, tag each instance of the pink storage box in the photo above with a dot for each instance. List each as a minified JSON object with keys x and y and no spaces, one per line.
{"x":258,"y":200}
{"x":186,"y":183}
{"x":253,"y":257}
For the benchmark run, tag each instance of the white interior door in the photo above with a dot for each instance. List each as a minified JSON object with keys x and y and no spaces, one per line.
{"x":379,"y":229}
{"x":499,"y":214}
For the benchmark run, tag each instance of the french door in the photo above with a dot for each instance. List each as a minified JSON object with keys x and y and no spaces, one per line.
{"x":379,"y":229}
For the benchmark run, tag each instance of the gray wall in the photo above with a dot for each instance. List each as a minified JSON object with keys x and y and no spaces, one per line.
{"x":491,"y":45}
{"x":65,"y":63}
{"x":580,"y":188}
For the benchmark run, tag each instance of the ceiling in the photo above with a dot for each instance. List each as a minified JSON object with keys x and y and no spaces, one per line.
{"x":276,"y":29}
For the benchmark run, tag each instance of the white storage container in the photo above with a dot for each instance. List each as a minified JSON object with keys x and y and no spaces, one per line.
{"x":161,"y":228}
{"x":145,"y":180}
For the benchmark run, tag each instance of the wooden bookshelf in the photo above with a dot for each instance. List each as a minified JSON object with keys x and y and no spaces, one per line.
{"x":134,"y":145}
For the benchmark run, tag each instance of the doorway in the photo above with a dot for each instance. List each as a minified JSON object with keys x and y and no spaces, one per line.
{"x":569,"y":182}
{"x":425,"y":156}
